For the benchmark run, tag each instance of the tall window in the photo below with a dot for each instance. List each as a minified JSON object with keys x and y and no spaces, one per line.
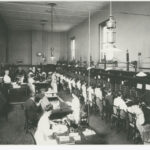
{"x":73,"y":48}
{"x":104,"y":42}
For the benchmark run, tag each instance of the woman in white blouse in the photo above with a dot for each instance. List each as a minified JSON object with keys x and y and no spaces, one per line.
{"x":7,"y":78}
{"x":44,"y":132}
{"x":31,"y":82}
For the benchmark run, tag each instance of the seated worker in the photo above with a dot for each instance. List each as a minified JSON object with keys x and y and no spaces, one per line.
{"x":20,"y":75}
{"x":30,"y":70}
{"x":69,"y":85}
{"x":7,"y":84}
{"x":145,"y":128}
{"x":75,"y":106}
{"x":140,"y":119}
{"x":49,"y":77}
{"x":79,"y":87}
{"x":31,"y":109}
{"x":119,"y":102}
{"x":73,"y":83}
{"x":83,"y":108}
{"x":34,"y":70}
{"x":54,"y":83}
{"x":19,"y":72}
{"x":45,"y":128}
{"x":43,"y":99}
{"x":31,"y":82}
{"x":44,"y":76}
{"x":90,"y":92}
{"x":7,"y":78}
{"x":84,"y":92}
{"x":38,"y":74}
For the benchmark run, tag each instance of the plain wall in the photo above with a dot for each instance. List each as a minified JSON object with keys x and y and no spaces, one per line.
{"x":3,"y":41}
{"x":59,"y":42}
{"x":19,"y":47}
{"x":24,"y":45}
{"x":132,"y":32}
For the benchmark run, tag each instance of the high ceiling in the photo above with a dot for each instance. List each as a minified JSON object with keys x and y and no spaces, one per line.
{"x":28,"y":15}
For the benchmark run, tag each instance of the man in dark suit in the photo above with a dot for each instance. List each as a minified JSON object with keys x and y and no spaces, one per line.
{"x":109,"y":104}
{"x":31,"y":110}
{"x":3,"y":106}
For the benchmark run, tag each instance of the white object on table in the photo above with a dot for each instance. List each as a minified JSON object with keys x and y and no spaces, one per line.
{"x":88,"y":132}
{"x":147,"y":86}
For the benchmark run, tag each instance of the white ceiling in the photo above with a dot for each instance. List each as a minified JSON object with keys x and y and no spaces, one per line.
{"x":28,"y":15}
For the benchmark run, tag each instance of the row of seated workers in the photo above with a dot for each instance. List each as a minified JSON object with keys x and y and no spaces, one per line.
{"x":108,"y":102}
{"x":112,"y":105}
{"x":11,"y":75}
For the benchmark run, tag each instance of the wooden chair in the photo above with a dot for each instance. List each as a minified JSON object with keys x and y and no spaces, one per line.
{"x":29,"y":124}
{"x":94,"y":105}
{"x":104,"y":109}
{"x":146,"y":137}
{"x":115,"y":117}
{"x":31,"y":133}
{"x":122,"y":119}
{"x":132,"y":130}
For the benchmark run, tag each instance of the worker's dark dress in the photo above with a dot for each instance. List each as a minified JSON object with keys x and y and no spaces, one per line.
{"x":31,"y":111}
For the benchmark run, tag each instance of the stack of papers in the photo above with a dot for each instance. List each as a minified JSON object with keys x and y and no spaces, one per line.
{"x":50,"y":94}
{"x":56,"y":104}
{"x":88,"y":132}
{"x":60,"y":128}
{"x":15,"y":85}
{"x":75,"y":136}
{"x":64,"y":139}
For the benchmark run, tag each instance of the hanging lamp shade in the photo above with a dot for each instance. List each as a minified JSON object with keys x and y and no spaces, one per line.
{"x":141,"y":74}
{"x":109,"y":51}
{"x":43,"y":22}
{"x":108,"y":69}
{"x":52,"y":5}
{"x":111,"y":47}
{"x":111,"y":26}
{"x":91,"y":67}
{"x":111,"y":36}
{"x":39,"y":54}
{"x":111,"y":23}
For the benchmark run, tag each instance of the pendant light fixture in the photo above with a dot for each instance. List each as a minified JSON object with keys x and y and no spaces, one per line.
{"x":52,"y":5}
{"x":43,"y":22}
{"x":111,"y":26}
{"x":111,"y":37}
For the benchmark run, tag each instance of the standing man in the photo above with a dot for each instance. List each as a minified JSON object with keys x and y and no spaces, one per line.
{"x":54,"y":82}
{"x":99,"y":102}
{"x":109,"y":104}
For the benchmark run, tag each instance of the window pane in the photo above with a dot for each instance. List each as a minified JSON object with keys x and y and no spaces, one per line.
{"x":73,"y":49}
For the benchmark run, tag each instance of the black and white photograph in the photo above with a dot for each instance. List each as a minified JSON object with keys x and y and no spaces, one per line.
{"x":74,"y":73}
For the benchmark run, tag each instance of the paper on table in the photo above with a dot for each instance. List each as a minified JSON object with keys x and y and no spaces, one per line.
{"x":89,"y":132}
{"x":147,"y":86}
{"x":139,"y":86}
{"x":76,"y":136}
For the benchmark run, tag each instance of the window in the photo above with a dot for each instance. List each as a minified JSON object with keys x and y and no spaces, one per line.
{"x":73,"y":48}
{"x":104,"y":45}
